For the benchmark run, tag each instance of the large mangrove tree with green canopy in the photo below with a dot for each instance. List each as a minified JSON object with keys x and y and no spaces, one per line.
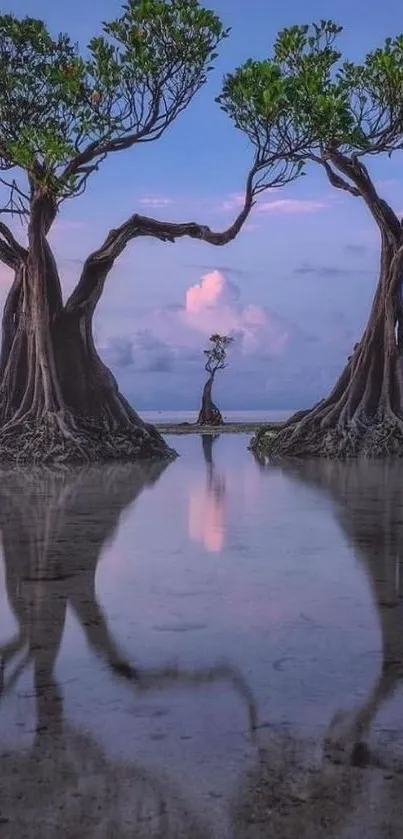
{"x":348,"y":113}
{"x":62,"y":114}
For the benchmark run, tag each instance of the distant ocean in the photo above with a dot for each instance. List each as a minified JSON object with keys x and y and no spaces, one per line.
{"x":169,"y":417}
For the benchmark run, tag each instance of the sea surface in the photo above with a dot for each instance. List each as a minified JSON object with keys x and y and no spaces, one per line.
{"x":202,"y":649}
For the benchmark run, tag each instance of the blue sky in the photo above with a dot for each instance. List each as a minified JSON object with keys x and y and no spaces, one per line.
{"x":297,"y":283}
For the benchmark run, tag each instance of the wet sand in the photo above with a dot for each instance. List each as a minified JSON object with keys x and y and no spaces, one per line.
{"x":227,"y":428}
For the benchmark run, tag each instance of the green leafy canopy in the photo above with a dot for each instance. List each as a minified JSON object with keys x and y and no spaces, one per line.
{"x":305,"y":98}
{"x":61,"y":110}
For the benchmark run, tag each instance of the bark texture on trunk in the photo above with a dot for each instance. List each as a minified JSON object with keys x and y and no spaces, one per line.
{"x":58,"y":401}
{"x":363,"y":414}
{"x":209,"y":414}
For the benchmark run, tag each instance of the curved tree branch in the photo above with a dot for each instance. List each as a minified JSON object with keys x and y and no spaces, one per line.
{"x":334,"y":178}
{"x":383,"y":214}
{"x":11,"y":252}
{"x":96,"y":268}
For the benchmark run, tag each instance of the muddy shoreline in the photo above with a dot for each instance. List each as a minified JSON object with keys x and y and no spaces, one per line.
{"x":227,"y":428}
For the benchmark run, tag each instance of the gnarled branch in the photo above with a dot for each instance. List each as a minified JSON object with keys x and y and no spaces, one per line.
{"x":334,"y":178}
{"x":96,"y":268}
{"x":355,"y":170}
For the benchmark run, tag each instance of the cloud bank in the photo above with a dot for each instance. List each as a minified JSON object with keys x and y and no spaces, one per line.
{"x":266,"y":359}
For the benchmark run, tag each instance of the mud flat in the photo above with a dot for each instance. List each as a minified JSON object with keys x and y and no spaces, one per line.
{"x":228,"y":428}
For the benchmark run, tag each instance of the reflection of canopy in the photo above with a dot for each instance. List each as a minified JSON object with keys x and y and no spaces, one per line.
{"x":54,"y":526}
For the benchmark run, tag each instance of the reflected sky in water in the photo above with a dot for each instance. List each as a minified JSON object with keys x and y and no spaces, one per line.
{"x":170,"y":631}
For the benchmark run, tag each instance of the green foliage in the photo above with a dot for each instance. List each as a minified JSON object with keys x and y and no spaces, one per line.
{"x":128,"y":86}
{"x":62,"y":112}
{"x":305,"y":99}
{"x":216,"y":356}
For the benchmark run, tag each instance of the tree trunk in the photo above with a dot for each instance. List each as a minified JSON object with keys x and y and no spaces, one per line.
{"x":364,"y":412}
{"x":209,"y":413}
{"x":58,"y":401}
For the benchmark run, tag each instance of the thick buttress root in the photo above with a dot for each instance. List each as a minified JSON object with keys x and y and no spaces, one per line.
{"x":378,"y":436}
{"x":58,"y":401}
{"x":60,"y":438}
{"x":363,"y":415}
{"x":211,"y":417}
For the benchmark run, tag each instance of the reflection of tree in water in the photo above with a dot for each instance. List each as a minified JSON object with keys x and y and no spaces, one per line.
{"x":369,"y":506}
{"x":54,"y":526}
{"x":289,"y":794}
{"x":216,"y":489}
{"x":215,"y":480}
{"x":207,"y":503}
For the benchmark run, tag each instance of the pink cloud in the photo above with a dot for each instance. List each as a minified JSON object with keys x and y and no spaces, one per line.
{"x":155,"y":201}
{"x":290,"y":205}
{"x":206,"y":519}
{"x":209,"y":292}
{"x":213,"y":306}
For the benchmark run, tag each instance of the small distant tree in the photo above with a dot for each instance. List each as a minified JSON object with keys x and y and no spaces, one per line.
{"x":216,"y":359}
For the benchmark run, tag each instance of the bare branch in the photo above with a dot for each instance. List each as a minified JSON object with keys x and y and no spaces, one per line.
{"x":13,"y":211}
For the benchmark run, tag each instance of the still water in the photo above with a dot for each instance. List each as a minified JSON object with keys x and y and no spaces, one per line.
{"x":209,"y":649}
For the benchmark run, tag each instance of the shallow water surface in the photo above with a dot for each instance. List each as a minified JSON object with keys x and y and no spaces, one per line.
{"x":207,"y":649}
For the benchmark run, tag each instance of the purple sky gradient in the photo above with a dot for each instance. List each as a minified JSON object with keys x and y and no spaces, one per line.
{"x":296,"y":285}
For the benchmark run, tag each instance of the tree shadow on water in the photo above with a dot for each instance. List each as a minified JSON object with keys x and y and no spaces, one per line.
{"x":55,"y":525}
{"x":367,"y":499}
{"x":295,"y":791}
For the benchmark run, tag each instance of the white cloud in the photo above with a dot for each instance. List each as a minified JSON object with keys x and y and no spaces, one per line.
{"x":155,"y":201}
{"x":290,"y":205}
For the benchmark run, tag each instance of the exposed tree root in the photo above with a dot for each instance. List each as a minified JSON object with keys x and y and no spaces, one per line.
{"x":378,"y":436}
{"x":58,"y":438}
{"x":211,"y":417}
